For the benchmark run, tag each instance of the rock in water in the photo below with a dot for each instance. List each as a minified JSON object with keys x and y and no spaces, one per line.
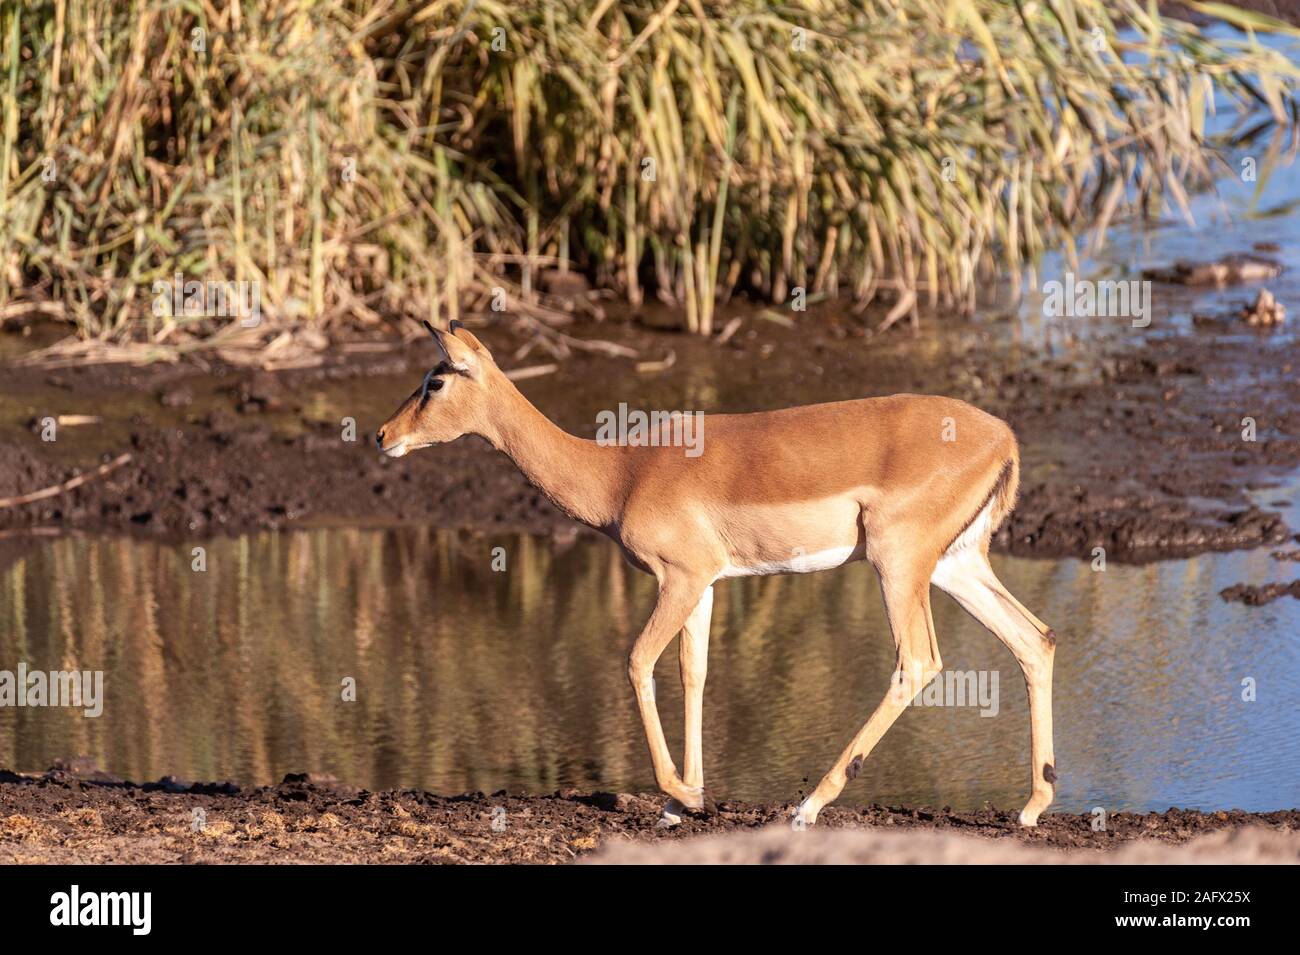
{"x":1229,"y":270}
{"x":1266,"y":310}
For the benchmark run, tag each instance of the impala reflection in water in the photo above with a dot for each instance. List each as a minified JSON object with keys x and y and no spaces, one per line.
{"x":472,"y":679}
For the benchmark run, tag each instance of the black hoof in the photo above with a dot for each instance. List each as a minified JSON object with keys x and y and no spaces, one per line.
{"x":710,"y":807}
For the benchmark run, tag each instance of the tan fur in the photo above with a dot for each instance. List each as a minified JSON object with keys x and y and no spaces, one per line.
{"x":913,"y":484}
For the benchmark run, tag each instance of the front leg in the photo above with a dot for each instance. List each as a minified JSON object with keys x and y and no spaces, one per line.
{"x":694,"y":659}
{"x":679,"y":595}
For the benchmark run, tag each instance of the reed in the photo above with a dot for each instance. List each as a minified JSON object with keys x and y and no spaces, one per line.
{"x":371,"y":161}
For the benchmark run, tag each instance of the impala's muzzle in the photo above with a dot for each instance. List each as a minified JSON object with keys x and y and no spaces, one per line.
{"x":396,"y":450}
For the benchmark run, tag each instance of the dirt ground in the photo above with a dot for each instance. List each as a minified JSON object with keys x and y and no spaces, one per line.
{"x":65,"y":816}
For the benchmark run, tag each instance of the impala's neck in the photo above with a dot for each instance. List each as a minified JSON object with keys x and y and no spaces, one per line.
{"x":585,"y":480}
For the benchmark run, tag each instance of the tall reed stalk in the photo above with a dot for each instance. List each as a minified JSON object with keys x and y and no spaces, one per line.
{"x":364,"y":159}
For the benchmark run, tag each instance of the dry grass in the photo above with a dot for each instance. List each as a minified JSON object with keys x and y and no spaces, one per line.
{"x":376,"y":161}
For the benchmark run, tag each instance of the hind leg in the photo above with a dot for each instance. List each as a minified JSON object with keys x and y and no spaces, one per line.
{"x":906,"y":591}
{"x":967,"y":576}
{"x":997,"y":586}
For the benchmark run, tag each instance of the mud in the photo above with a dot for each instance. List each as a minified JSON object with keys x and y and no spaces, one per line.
{"x":76,"y":814}
{"x":1256,"y":595}
{"x":1137,"y":449}
{"x":1229,"y":270}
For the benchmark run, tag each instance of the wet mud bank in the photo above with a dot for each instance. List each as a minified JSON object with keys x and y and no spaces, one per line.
{"x":68,"y":815}
{"x":1138,"y":449}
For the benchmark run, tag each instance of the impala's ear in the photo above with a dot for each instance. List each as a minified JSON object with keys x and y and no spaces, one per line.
{"x":463,"y":334}
{"x":456,"y":353}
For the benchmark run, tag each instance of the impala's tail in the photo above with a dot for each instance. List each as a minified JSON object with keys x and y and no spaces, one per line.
{"x":994,"y":508}
{"x":1003,"y":495}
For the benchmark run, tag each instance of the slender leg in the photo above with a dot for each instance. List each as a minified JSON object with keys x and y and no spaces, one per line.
{"x":693,"y":654}
{"x":694,"y":659}
{"x":969,"y":578}
{"x":678,"y":597}
{"x":907,"y":602}
{"x":992,"y":581}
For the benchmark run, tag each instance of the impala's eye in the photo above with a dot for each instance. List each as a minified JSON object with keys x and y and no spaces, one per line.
{"x":430,"y":384}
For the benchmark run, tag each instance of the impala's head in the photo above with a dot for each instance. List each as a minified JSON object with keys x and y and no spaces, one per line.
{"x":450,"y":401}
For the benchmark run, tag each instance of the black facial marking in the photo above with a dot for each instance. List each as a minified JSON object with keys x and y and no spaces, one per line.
{"x":431,"y":383}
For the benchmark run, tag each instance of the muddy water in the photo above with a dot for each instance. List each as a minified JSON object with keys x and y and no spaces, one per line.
{"x":470,"y":678}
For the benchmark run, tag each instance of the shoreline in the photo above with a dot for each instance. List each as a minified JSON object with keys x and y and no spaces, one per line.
{"x":87,"y":816}
{"x":259,"y":450}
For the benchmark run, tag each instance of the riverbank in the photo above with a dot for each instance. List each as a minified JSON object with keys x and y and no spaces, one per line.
{"x":66,"y":816}
{"x":1138,"y":448}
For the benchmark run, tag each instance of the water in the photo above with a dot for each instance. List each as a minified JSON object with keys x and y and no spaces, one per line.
{"x":469,"y":678}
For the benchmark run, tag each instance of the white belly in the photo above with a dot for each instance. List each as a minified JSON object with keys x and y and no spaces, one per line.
{"x":797,"y":563}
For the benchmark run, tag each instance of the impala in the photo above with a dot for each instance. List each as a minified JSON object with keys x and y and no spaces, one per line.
{"x":914,"y":485}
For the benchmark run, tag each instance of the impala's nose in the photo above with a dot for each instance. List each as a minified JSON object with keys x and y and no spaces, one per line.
{"x":379,"y":439}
